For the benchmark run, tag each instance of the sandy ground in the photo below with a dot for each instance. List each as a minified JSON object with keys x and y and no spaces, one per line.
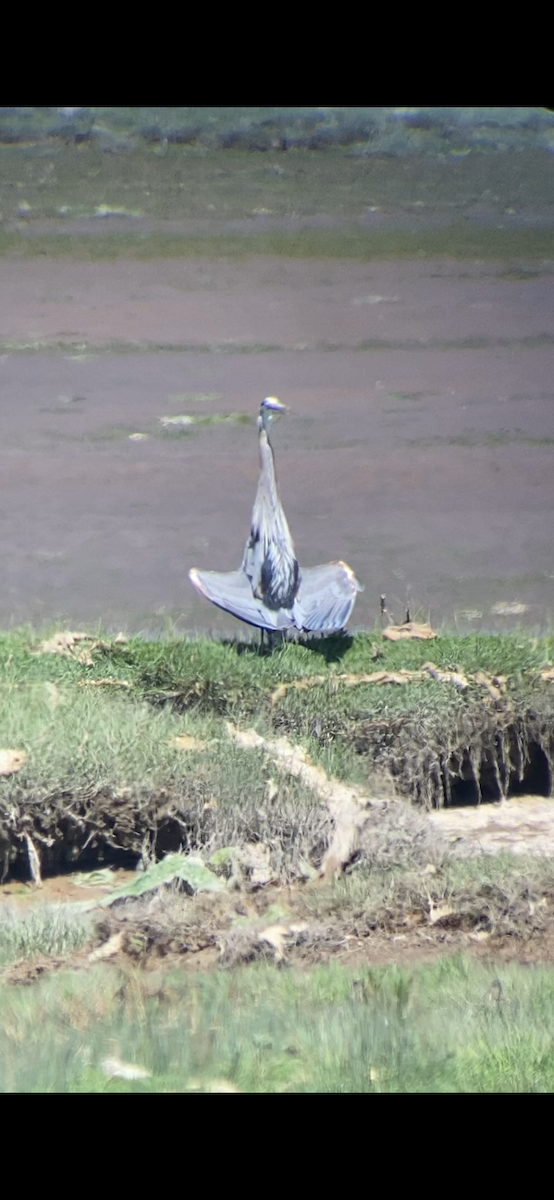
{"x":518,"y":826}
{"x":418,"y":447}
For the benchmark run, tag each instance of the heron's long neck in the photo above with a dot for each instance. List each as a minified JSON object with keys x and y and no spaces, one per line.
{"x":267,"y":464}
{"x":269,"y":560}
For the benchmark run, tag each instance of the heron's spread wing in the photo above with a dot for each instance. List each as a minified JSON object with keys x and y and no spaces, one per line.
{"x":232,"y":592}
{"x":325,"y":598}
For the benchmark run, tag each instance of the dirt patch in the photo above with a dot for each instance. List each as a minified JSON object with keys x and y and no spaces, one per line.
{"x":417,"y":901}
{"x":385,"y":916}
{"x":413,"y":918}
{"x":523,"y":825}
{"x":71,"y":888}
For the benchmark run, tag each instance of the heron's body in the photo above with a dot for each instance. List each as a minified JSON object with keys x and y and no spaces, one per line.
{"x":269,"y":559}
{"x":269,"y":590}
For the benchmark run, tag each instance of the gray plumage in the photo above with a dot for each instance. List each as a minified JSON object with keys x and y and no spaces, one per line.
{"x":326,"y":597}
{"x":269,"y":559}
{"x":269,"y":590}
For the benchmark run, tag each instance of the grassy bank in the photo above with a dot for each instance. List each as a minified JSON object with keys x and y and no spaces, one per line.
{"x":127,"y":751}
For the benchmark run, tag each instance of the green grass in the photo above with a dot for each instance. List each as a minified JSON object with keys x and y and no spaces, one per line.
{"x":61,"y":183}
{"x":48,"y":931}
{"x":368,"y":346}
{"x":235,"y":674}
{"x":210,"y":679}
{"x":78,"y":738}
{"x":443,"y":1027}
{"x":469,"y":438}
{"x":182,"y":183}
{"x":455,"y":242}
{"x":86,"y":742}
{"x":447,"y":1027}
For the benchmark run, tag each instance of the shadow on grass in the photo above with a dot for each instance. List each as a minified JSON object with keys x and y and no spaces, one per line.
{"x":331,"y":648}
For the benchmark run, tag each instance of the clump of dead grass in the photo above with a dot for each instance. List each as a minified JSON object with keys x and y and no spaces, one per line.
{"x":440,"y":745}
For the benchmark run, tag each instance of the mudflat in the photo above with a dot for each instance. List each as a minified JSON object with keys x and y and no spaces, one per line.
{"x":418,"y":446}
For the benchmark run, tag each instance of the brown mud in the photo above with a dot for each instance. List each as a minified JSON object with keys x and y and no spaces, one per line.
{"x":418,"y":447}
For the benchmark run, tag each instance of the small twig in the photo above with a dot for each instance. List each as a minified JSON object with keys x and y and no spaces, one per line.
{"x":385,"y":611}
{"x":120,"y":683}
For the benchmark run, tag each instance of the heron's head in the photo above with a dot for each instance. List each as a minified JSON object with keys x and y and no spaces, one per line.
{"x":272,"y":404}
{"x":270,"y":409}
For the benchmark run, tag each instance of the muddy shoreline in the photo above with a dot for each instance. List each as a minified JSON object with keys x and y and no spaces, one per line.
{"x":418,"y":447}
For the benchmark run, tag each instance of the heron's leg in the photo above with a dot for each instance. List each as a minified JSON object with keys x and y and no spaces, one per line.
{"x":270,"y":641}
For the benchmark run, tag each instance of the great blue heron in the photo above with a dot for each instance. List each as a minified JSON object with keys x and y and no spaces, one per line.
{"x":269,"y":590}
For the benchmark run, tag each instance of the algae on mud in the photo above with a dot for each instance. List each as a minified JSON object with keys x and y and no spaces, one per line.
{"x":456,"y":242}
